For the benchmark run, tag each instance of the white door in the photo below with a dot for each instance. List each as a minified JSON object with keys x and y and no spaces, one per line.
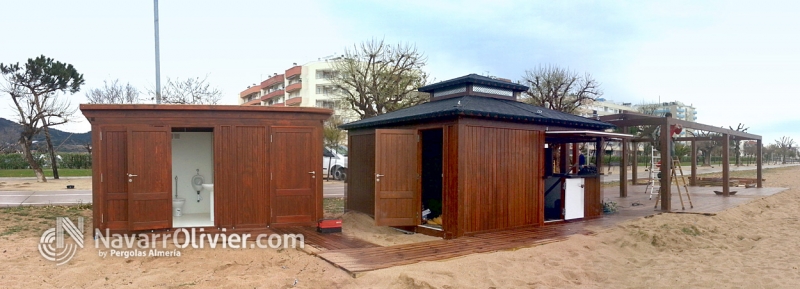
{"x":573,"y":195}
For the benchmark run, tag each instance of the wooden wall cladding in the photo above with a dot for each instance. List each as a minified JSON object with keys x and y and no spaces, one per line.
{"x":495,"y":194}
{"x":251,"y":205}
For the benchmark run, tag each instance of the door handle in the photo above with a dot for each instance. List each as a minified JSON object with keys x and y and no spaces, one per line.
{"x":377,"y":177}
{"x":313,"y":174}
{"x":132,"y":175}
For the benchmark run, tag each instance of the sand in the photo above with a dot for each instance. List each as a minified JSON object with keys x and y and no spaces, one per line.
{"x":16,"y":184}
{"x":362,"y":226}
{"x":750,"y":246}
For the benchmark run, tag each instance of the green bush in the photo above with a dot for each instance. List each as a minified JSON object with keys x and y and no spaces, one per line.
{"x":68,"y":161}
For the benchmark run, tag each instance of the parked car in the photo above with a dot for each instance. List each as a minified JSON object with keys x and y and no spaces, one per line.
{"x":334,"y":164}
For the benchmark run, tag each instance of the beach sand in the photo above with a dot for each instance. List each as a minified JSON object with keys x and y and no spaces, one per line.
{"x":751,"y":246}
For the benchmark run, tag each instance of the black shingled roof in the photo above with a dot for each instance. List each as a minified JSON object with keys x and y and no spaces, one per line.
{"x":481,"y":107}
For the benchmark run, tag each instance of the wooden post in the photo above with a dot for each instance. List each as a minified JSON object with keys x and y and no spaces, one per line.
{"x":598,"y":155}
{"x":562,"y":160}
{"x":726,"y":177}
{"x":575,"y":167}
{"x":623,"y":167}
{"x":666,"y":166}
{"x":758,"y":164}
{"x":635,"y":164}
{"x":693,"y":180}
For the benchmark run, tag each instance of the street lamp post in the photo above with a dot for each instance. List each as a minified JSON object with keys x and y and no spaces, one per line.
{"x":158,"y":60}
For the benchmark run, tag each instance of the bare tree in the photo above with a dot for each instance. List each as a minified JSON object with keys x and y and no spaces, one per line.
{"x":34,"y":88}
{"x":784,"y":145}
{"x":737,"y":143}
{"x":560,"y":89}
{"x":707,"y":146}
{"x":648,"y":108}
{"x":374,"y":78}
{"x":113,"y":92}
{"x":332,"y":134}
{"x":189,"y":91}
{"x":750,"y":149}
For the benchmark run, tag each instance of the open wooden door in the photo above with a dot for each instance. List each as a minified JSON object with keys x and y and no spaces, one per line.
{"x":397,"y":200}
{"x":295,"y":167}
{"x":148,"y":175}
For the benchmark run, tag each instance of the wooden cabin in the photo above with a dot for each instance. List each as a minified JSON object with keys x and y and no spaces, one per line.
{"x":233,"y":167}
{"x":473,"y":156}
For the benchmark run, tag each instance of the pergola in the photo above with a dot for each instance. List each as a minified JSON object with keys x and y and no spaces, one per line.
{"x":626,"y":120}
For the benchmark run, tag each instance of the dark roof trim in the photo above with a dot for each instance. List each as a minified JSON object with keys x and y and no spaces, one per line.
{"x":474,"y":79}
{"x":478,"y":114}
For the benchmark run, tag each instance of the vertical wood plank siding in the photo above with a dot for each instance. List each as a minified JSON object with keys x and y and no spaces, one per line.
{"x":495,"y":195}
{"x":225,"y":176}
{"x":360,"y":188}
{"x":252,"y":194}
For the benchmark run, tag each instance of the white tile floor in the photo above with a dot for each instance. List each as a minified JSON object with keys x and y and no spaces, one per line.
{"x":192,"y":220}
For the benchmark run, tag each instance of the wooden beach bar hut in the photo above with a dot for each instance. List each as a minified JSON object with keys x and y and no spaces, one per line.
{"x":475,"y":158}
{"x":159,"y":167}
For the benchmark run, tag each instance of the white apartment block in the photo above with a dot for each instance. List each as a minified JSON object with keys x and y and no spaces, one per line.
{"x":601,"y":107}
{"x":301,"y":85}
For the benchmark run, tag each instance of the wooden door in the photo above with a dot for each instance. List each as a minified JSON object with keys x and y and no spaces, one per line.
{"x":397,"y":200}
{"x":295,"y":168}
{"x":148,"y":175}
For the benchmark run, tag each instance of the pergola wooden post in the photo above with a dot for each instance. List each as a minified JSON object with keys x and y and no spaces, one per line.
{"x":726,"y":165}
{"x":635,"y":163}
{"x":758,"y":164}
{"x":666,"y":166}
{"x":623,"y":164}
{"x":575,"y":164}
{"x":693,"y":180}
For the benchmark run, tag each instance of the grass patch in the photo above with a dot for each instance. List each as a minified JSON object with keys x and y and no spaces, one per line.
{"x":333,"y":206}
{"x":33,"y":220}
{"x":47,"y":172}
{"x":691,"y":231}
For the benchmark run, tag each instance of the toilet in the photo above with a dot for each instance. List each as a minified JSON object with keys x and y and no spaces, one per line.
{"x":177,"y":206}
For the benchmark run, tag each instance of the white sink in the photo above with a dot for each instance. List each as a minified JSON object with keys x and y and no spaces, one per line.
{"x":210,"y":188}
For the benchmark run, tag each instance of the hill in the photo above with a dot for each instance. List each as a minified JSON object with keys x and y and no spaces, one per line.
{"x":69,"y":142}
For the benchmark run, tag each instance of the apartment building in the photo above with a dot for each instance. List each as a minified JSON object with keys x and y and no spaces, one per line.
{"x":301,"y":85}
{"x":678,"y":109}
{"x":601,"y":107}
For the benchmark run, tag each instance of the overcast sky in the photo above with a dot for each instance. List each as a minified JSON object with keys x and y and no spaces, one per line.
{"x":734,"y":61}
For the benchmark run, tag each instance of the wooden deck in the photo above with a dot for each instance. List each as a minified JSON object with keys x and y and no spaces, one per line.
{"x":359,"y":260}
{"x":324,"y":242}
{"x":355,"y":261}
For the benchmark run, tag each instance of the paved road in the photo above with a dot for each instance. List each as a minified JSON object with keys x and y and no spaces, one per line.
{"x":332,"y":189}
{"x":39,"y":198}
